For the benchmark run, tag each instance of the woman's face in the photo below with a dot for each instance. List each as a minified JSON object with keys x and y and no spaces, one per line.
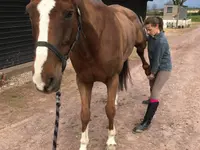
{"x":152,"y":30}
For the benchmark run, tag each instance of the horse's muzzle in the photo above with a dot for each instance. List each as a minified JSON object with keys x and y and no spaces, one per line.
{"x":52,"y":85}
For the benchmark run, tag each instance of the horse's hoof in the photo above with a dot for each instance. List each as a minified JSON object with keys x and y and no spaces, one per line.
{"x":83,"y":147}
{"x":111,"y":147}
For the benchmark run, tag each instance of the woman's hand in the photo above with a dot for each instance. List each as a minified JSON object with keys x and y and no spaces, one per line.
{"x":147,"y":69}
{"x":151,"y":76}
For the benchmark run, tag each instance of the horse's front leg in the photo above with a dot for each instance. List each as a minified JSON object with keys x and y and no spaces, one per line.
{"x":112,"y":86}
{"x":145,"y":65}
{"x":85,"y":90}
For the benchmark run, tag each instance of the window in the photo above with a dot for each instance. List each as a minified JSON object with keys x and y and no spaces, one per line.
{"x":169,"y":9}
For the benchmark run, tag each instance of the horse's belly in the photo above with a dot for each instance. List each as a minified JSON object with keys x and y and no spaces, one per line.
{"x":98,"y":72}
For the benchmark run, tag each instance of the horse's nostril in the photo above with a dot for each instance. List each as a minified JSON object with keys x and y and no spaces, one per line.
{"x":51,"y":84}
{"x":50,"y":81}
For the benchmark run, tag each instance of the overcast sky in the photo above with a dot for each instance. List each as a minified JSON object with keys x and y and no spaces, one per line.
{"x":160,"y":3}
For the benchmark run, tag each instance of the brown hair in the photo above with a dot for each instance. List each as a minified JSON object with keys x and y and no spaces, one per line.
{"x":154,"y":21}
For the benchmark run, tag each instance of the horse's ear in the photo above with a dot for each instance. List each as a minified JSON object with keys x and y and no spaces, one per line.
{"x":76,"y":2}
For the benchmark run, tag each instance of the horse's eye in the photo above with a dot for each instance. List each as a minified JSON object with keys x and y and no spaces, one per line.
{"x":68,"y":15}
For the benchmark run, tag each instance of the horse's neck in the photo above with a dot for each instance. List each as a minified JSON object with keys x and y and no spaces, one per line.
{"x":88,"y":15}
{"x":90,"y":30}
{"x":88,"y":6}
{"x":85,"y":7}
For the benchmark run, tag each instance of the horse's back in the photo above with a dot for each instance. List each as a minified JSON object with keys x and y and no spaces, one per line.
{"x":123,"y":12}
{"x":130,"y":27}
{"x":129,"y":13}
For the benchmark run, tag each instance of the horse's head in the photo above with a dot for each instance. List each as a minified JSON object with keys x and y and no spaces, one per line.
{"x":55,"y":28}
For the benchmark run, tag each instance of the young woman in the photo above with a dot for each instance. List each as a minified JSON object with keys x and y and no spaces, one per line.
{"x":160,"y":64}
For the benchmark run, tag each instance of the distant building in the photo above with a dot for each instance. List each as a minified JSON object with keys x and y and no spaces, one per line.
{"x":171,"y":12}
{"x":171,"y":16}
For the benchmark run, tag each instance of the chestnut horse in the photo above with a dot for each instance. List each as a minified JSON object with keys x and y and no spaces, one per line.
{"x":97,"y":38}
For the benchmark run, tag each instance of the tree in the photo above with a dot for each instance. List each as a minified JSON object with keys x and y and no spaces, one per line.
{"x":154,"y":8}
{"x":179,"y":2}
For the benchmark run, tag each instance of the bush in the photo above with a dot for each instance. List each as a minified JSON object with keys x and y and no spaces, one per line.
{"x":195,"y":18}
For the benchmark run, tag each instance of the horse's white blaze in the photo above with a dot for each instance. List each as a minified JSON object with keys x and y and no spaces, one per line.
{"x":84,"y":139}
{"x":111,"y":137}
{"x":44,"y":8}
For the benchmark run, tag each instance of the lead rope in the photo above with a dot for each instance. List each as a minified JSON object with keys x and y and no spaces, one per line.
{"x":58,"y":94}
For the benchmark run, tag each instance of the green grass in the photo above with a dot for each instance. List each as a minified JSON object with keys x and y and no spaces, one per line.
{"x":195,"y":18}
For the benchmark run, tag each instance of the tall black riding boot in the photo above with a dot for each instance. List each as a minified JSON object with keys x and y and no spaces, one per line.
{"x":151,"y":109}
